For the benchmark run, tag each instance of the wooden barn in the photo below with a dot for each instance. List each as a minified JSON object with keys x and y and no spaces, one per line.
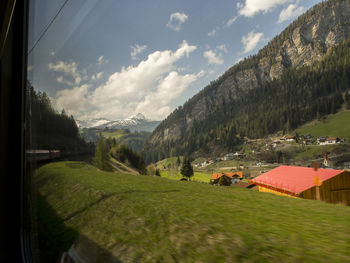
{"x":234,"y":176}
{"x":300,"y":182}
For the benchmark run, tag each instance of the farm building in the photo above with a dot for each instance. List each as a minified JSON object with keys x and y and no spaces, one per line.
{"x":234,"y":176}
{"x":299,"y":182}
{"x":288,"y":138}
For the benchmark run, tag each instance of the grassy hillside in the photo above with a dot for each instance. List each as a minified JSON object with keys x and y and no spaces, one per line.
{"x":116,"y":134}
{"x":333,"y":125}
{"x":176,"y":175}
{"x":133,"y":140}
{"x":152,"y":219}
{"x":172,"y":161}
{"x":121,"y":167}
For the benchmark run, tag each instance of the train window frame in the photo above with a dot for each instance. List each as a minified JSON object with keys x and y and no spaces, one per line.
{"x":14,"y":202}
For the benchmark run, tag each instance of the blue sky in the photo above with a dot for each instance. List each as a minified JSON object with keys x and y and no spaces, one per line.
{"x":113,"y":59}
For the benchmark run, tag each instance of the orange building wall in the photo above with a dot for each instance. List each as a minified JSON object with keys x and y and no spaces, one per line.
{"x":267,"y":190}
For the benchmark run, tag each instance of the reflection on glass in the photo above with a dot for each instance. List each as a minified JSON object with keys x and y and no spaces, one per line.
{"x":153,"y":127}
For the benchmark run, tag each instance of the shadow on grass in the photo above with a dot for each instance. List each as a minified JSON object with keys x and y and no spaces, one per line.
{"x":105,"y":196}
{"x":55,"y":238}
{"x":90,"y":252}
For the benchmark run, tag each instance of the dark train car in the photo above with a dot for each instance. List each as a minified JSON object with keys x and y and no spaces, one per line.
{"x":54,"y":154}
{"x":42,"y":155}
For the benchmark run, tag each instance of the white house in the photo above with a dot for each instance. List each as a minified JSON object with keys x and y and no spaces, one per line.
{"x":229,"y":156}
{"x":326,"y":141}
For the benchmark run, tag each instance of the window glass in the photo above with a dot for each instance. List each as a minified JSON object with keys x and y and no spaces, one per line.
{"x":152,"y":127}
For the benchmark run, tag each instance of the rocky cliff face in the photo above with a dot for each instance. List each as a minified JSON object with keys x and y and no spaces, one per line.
{"x":303,"y":42}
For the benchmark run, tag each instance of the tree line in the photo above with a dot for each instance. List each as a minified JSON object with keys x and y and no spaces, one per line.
{"x":47,"y":129}
{"x":109,"y":148}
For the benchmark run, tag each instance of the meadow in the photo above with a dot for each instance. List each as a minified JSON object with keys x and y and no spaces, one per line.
{"x":334,"y":125}
{"x":176,"y":175}
{"x":133,"y":218}
{"x":115,"y":134}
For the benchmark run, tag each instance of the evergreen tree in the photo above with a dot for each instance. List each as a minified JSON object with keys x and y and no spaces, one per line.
{"x":224,"y":180}
{"x":178,"y":161}
{"x":101,"y":158}
{"x":126,"y":155}
{"x":187,"y":169}
{"x":347,"y":99}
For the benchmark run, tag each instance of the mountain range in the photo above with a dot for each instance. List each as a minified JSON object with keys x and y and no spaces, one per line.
{"x":135,"y":123}
{"x":301,"y":74}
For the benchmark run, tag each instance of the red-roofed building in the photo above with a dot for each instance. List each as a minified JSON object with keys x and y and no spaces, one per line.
{"x":300,"y":182}
{"x":234,"y":176}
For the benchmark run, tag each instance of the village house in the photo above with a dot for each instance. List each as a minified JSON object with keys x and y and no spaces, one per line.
{"x":346,"y":165}
{"x":332,"y":140}
{"x":259,"y":164}
{"x":306,"y":139}
{"x":300,"y":182}
{"x":328,"y":140}
{"x":288,"y":138}
{"x":229,"y":156}
{"x":239,"y":155}
{"x":305,"y":136}
{"x":321,"y":140}
{"x":235,"y":177}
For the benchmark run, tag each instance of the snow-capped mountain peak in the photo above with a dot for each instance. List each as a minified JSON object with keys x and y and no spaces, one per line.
{"x":139,"y":116}
{"x":137,"y":122}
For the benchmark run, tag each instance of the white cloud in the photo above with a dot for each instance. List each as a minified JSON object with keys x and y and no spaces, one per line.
{"x":97,"y":76}
{"x":176,"y":20}
{"x":73,"y":100}
{"x":212,"y":33}
{"x":292,"y":11}
{"x":231,"y":20}
{"x":148,"y":87}
{"x":101,"y":60}
{"x":212,"y":57}
{"x":172,"y":86}
{"x":252,"y":7}
{"x":222,"y":48}
{"x":70,"y":70}
{"x":137,"y":49}
{"x":251,"y":40}
{"x":61,"y":80}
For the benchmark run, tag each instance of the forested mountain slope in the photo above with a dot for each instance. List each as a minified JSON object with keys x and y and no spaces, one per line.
{"x":47,"y":129}
{"x":299,"y":75}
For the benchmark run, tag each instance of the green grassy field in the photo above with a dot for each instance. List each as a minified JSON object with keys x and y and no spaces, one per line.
{"x":116,"y":134}
{"x":315,"y":151}
{"x":176,"y":175}
{"x":334,"y":125}
{"x":152,"y":219}
{"x":163,"y":164}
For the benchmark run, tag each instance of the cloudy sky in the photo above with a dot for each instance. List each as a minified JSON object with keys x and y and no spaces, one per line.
{"x":113,"y":59}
